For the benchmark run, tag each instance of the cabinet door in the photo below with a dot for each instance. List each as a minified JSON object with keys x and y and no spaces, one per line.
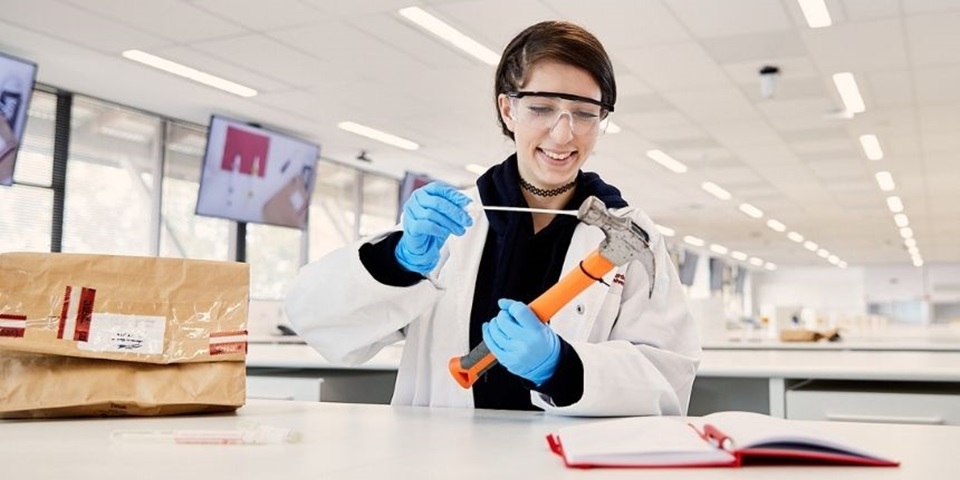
{"x":283,"y":388}
{"x":875,"y":407}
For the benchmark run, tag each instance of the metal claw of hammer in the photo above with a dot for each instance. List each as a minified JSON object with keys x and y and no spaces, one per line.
{"x":625,"y":241}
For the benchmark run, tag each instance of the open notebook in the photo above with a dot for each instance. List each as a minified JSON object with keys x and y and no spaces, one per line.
{"x":724,"y":439}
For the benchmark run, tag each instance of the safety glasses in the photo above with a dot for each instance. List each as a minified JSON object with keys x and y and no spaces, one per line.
{"x":545,"y":109}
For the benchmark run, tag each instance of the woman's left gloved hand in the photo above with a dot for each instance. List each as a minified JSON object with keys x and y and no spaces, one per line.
{"x":522,"y":343}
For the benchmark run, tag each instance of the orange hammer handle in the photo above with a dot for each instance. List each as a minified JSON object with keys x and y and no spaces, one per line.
{"x":466,"y":370}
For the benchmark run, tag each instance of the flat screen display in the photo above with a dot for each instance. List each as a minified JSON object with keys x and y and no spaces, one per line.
{"x":251,"y":174}
{"x":688,"y":267}
{"x":411,"y":181}
{"x":17,"y":77}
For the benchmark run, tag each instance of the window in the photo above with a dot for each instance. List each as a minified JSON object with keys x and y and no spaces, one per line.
{"x":380,"y":197}
{"x":274,"y":257}
{"x":183,"y":234}
{"x":113,"y":160}
{"x":26,"y":214}
{"x":332,"y":217}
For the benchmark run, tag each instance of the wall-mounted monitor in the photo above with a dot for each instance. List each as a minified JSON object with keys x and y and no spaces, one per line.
{"x":717,"y":274}
{"x":17,"y":77}
{"x":688,"y":267}
{"x":252,"y":174}
{"x":411,"y":181}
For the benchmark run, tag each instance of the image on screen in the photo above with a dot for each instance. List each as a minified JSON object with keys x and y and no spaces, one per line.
{"x":251,"y":174}
{"x":717,"y":267}
{"x":16,"y":87}
{"x":688,"y":267}
{"x":411,"y":181}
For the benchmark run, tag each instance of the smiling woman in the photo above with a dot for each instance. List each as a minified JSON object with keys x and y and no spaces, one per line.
{"x":450,"y":277}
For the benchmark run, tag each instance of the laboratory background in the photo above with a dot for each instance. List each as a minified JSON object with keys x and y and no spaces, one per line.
{"x":801,"y":165}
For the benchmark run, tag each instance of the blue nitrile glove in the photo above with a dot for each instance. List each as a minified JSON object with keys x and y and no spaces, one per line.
{"x":522,"y":343}
{"x":430,"y":215}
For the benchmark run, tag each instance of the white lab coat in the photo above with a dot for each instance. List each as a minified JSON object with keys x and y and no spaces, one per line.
{"x":639,"y":354}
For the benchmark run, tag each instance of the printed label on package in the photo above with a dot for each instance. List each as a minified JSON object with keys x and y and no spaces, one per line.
{"x":75,"y":314}
{"x":12,"y":325}
{"x":228,"y":342}
{"x":110,"y":332}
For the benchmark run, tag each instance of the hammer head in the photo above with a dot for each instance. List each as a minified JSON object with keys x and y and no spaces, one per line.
{"x":625,"y":241}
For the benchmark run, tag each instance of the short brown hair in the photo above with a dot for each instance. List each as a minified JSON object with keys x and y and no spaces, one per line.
{"x":562,"y":42}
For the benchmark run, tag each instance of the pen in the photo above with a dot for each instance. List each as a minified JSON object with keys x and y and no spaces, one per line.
{"x":715,"y":436}
{"x":260,"y":435}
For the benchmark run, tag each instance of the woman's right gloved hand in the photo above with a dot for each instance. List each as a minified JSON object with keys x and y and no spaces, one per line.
{"x":430,"y":215}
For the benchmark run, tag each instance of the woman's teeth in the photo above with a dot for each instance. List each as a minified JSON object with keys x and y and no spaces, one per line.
{"x":557,"y":156}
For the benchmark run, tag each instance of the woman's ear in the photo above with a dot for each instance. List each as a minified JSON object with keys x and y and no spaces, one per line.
{"x":506,"y":111}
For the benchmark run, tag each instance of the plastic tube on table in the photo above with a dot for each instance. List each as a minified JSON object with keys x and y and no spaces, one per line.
{"x":260,"y":435}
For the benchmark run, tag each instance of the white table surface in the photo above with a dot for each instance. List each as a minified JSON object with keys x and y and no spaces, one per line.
{"x":299,"y":355}
{"x":934,"y":366}
{"x":347,"y":441}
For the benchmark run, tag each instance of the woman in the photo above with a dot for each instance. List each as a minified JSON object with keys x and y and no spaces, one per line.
{"x":454,"y":275}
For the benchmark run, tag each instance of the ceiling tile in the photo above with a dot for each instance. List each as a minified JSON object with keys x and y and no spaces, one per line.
{"x":868,"y":46}
{"x":738,"y":134}
{"x":163,"y":19}
{"x":713,"y":105}
{"x":890,"y":89}
{"x":937,"y":85}
{"x":929,"y":34}
{"x":269,"y":56}
{"x":657,"y":66}
{"x":865,"y":10}
{"x":770,"y":48}
{"x":621,"y":24}
{"x":78,"y":26}
{"x":254,"y":15}
{"x":730,"y":17}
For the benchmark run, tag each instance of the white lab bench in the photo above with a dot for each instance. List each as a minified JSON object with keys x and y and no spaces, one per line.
{"x":918,"y":386}
{"x":362,"y":441}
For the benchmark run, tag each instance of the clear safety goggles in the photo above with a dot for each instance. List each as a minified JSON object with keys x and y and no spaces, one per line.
{"x":544,"y":110}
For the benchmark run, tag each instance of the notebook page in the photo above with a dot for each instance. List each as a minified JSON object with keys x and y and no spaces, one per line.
{"x":638,"y":441}
{"x":751,"y":430}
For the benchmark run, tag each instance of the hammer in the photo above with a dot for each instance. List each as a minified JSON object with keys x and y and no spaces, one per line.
{"x":624,"y":241}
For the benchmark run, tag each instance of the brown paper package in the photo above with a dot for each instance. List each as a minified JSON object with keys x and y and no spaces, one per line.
{"x":109,"y":335}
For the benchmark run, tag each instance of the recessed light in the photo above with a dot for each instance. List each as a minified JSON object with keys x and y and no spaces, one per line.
{"x":895,"y":204}
{"x":715,"y":190}
{"x":666,"y":231}
{"x":667,"y":161}
{"x":697,"y":242}
{"x":871,"y":148}
{"x":718,"y":249}
{"x":776,"y":226}
{"x":441,"y":29}
{"x":378,"y":135}
{"x":184,"y":71}
{"x":885,"y":181}
{"x":751,"y":210}
{"x":815,"y":13}
{"x":849,"y":92}
{"x":477,"y":169}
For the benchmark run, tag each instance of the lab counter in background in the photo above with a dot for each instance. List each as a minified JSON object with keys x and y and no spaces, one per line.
{"x":877,"y":386}
{"x":287,"y":370}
